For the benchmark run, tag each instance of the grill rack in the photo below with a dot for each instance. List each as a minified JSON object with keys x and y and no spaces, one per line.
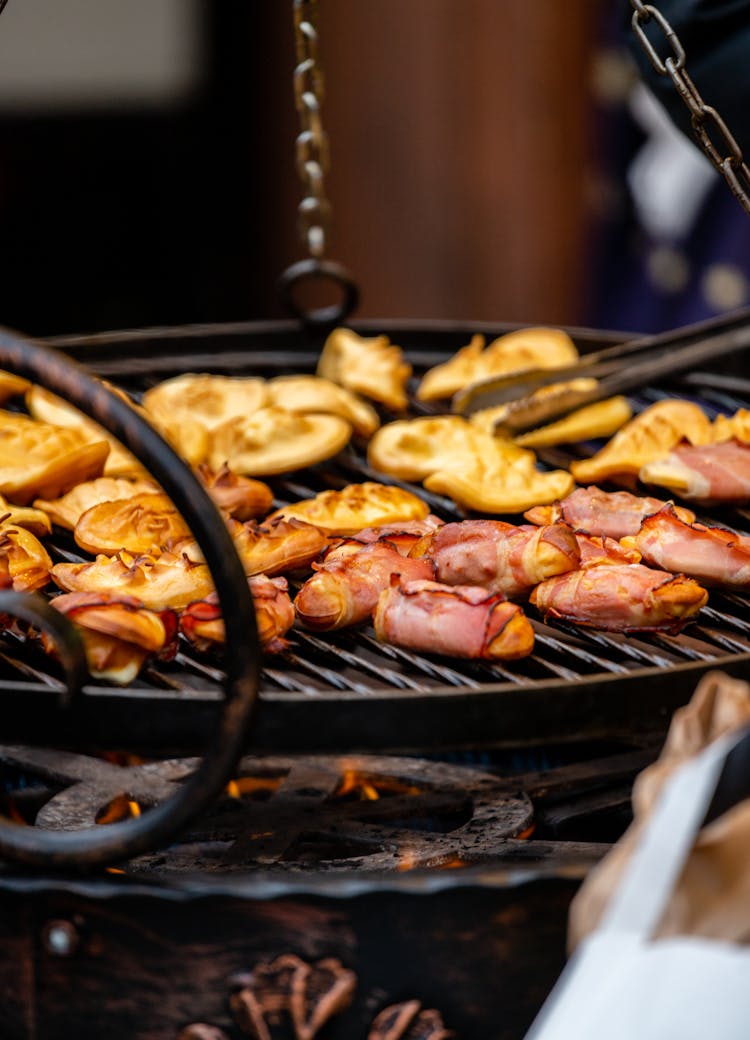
{"x":345,"y":690}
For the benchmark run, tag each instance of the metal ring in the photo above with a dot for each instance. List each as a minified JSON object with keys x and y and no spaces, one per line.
{"x":29,"y":606}
{"x":318,"y":270}
{"x":119,"y":841}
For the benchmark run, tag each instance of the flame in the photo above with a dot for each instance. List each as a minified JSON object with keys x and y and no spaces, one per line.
{"x":370,"y":788}
{"x":121,"y":807}
{"x":252,"y":784}
{"x":453,"y":864}
{"x":527,"y":833}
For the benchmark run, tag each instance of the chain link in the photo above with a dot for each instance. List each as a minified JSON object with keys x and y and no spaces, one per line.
{"x":312,"y":144}
{"x":709,"y":129}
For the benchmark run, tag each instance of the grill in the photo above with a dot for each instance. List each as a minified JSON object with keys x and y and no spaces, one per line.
{"x":295,"y":904}
{"x":345,"y":690}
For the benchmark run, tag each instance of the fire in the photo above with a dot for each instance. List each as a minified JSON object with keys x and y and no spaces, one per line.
{"x":367,"y":788}
{"x":122,"y":807}
{"x":527,"y":833}
{"x":252,"y":785}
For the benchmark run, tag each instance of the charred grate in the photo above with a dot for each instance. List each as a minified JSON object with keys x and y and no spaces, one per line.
{"x":350,"y":667}
{"x":331,"y":813}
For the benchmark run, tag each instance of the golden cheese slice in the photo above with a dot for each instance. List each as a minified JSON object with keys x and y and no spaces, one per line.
{"x":137,"y":524}
{"x":355,"y":507}
{"x":500,"y":481}
{"x":274,"y":440}
{"x":371,"y":366}
{"x":732,"y":427}
{"x":308,"y":394}
{"x":514,"y":352}
{"x":411,"y":449}
{"x":67,"y":510}
{"x":160,"y":581}
{"x":208,"y":399}
{"x":595,"y":420}
{"x":648,"y":436}
{"x":39,"y":460}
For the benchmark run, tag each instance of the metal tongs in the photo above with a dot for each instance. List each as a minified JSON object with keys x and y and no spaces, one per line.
{"x":627,"y":366}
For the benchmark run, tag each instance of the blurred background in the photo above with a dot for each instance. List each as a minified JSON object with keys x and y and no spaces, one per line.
{"x":491,"y":160}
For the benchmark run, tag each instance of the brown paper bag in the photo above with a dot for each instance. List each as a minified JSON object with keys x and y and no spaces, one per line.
{"x":712,"y":897}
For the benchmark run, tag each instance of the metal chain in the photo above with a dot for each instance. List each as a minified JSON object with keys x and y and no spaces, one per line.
{"x":312,"y":144}
{"x":314,"y":210}
{"x":710,"y":131}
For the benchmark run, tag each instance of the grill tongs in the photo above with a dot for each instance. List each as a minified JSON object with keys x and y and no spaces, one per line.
{"x":625,"y":367}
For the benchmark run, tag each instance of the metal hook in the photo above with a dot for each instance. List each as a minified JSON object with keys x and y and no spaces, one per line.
{"x":318,"y":270}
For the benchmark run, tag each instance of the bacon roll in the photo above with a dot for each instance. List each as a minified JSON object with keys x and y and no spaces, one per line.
{"x":710,"y":474}
{"x":201,"y":621}
{"x":498,"y":556}
{"x":459,"y":620}
{"x":710,"y":554}
{"x":621,"y":598}
{"x":611,"y":514}
{"x":345,"y":587}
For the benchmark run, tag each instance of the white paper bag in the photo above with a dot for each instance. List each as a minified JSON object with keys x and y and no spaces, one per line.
{"x":622,"y":985}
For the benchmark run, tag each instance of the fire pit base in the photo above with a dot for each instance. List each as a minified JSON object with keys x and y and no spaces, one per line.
{"x":479,"y":949}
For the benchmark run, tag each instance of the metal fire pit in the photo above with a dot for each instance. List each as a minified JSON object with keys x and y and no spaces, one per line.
{"x":306,"y":911}
{"x":345,"y":690}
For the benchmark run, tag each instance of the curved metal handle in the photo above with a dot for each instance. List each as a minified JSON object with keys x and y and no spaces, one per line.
{"x":29,"y":606}
{"x":119,"y":841}
{"x":318,"y":270}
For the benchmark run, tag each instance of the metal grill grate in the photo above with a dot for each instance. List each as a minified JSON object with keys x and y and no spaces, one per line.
{"x":577,"y":681}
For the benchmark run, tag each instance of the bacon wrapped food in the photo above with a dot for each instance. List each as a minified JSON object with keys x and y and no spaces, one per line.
{"x":118,"y":632}
{"x":710,"y":474}
{"x":611,"y":514}
{"x":596,"y":551}
{"x":460,"y":620}
{"x":711,"y":554}
{"x":621,"y":598}
{"x":403,"y":536}
{"x":498,"y":556}
{"x":202,"y":624}
{"x":345,"y":587}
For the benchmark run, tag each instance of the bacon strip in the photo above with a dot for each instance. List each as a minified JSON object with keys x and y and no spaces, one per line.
{"x":611,"y":514}
{"x":711,"y":554}
{"x":201,"y":621}
{"x":621,"y":598}
{"x":460,"y":620}
{"x":596,"y":551}
{"x":498,"y":556}
{"x":710,"y":474}
{"x":345,"y":588}
{"x":403,"y":536}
